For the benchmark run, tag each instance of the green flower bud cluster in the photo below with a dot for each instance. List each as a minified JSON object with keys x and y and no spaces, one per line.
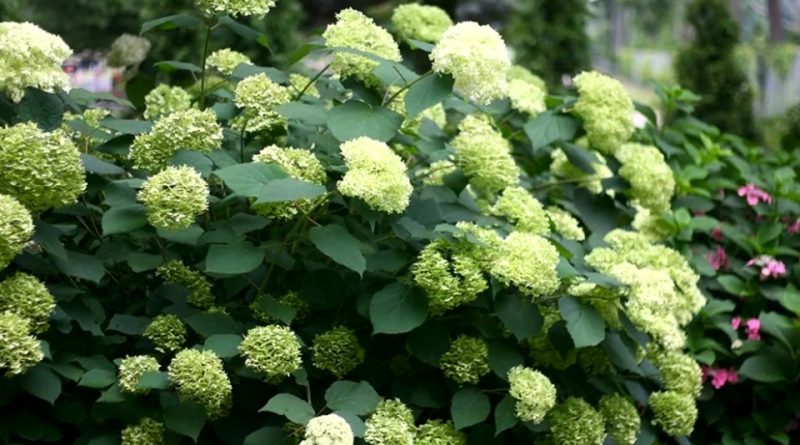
{"x":436,"y":432}
{"x":679,"y":372}
{"x":258,"y":96}
{"x":466,"y":361}
{"x":131,"y":370}
{"x":226,"y":60}
{"x":166,"y":332}
{"x":484,"y":155}
{"x":200,"y":377}
{"x":565,"y":224}
{"x":146,"y":432}
{"x":299,"y":164}
{"x":528,"y":262}
{"x":376,"y":175}
{"x":30,"y":57}
{"x":337,"y":351}
{"x":534,"y":395}
{"x":19,"y":350}
{"x":621,"y":417}
{"x":526,"y":212}
{"x":413,"y":21}
{"x":575,"y":422}
{"x":27,"y":297}
{"x":16,"y":229}
{"x":606,"y":110}
{"x":175,"y":272}
{"x":174,"y":197}
{"x":674,"y":412}
{"x":449,"y":275}
{"x":164,"y":100}
{"x":651,"y":179}
{"x":271,"y":351}
{"x":392,"y":423}
{"x":330,"y":429}
{"x":190,"y":129}
{"x":236,"y":8}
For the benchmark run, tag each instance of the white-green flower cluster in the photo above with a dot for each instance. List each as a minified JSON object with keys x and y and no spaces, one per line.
{"x":330,"y":429}
{"x":226,"y":60}
{"x":653,"y":226}
{"x":449,"y":275}
{"x":19,"y":350}
{"x":621,"y":417}
{"x":392,"y":423}
{"x":41,"y":170}
{"x":484,"y":155}
{"x":258,"y":96}
{"x":272,"y":351}
{"x":651,"y":179}
{"x":174,"y":197}
{"x":164,"y":100}
{"x":562,"y":168}
{"x":167,"y":333}
{"x":30,"y":57}
{"x":183,"y":130}
{"x":526,"y":97}
{"x":298,"y":82}
{"x":606,"y":110}
{"x":236,"y":8}
{"x":679,"y":372}
{"x":376,"y":175}
{"x":413,"y":21}
{"x":575,"y":422}
{"x":298,"y":164}
{"x":337,"y":351}
{"x":518,"y":72}
{"x":436,"y":113}
{"x":438,"y":170}
{"x":131,"y":370}
{"x":526,"y":212}
{"x":200,"y":377}
{"x":356,"y":31}
{"x":565,"y":224}
{"x":528,"y":262}
{"x":466,"y":361}
{"x":534,"y":395}
{"x":436,"y":432}
{"x":27,"y":297}
{"x":175,"y":272}
{"x":128,"y":50}
{"x":146,"y":432}
{"x":674,"y":412}
{"x":16,"y":229}
{"x":477,"y":58}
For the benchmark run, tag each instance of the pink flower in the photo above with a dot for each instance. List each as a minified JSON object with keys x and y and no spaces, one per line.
{"x":716,"y":234}
{"x":733,"y":376}
{"x":720,"y":378}
{"x":706,"y":371}
{"x":736,"y":322}
{"x":753,"y":329}
{"x":794,"y":227}
{"x":753,"y":194}
{"x":718,"y":259}
{"x":770,"y":267}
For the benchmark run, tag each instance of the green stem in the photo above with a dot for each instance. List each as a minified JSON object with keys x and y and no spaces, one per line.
{"x":409,"y":85}
{"x":209,"y":27}
{"x":311,"y":82}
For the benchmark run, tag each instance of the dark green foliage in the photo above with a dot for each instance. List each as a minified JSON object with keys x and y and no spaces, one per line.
{"x":791,"y":137}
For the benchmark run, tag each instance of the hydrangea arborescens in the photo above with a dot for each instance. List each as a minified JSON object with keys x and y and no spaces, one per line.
{"x":466,"y":361}
{"x":27,"y":297}
{"x":19,"y":350}
{"x":526,"y":97}
{"x":301,"y":83}
{"x":164,"y":100}
{"x":484,"y":155}
{"x":146,"y":432}
{"x":565,"y":224}
{"x":521,"y":208}
{"x":437,"y":171}
{"x":517,"y":72}
{"x":606,"y":110}
{"x":131,"y":370}
{"x":651,"y":179}
{"x":183,"y":130}
{"x":674,"y":412}
{"x":127,"y":50}
{"x":375,"y":174}
{"x":167,"y":333}
{"x":175,"y":272}
{"x":436,"y":432}
{"x":679,"y":372}
{"x":392,"y":423}
{"x":448,"y":274}
{"x":528,"y":262}
{"x":575,"y":422}
{"x":226,"y":60}
{"x":31,"y":57}
{"x":174,"y":197}
{"x":534,"y":395}
{"x":16,"y":229}
{"x":356,"y":31}
{"x":236,"y":8}
{"x":41,"y":170}
{"x":200,"y":377}
{"x":562,"y":168}
{"x":298,"y":164}
{"x":330,"y":429}
{"x":271,"y":351}
{"x":258,"y":96}
{"x":427,"y":23}
{"x":621,"y":417}
{"x":337,"y":351}
{"x":477,"y":58}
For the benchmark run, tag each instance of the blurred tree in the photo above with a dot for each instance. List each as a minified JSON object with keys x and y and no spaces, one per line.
{"x":707,"y":66}
{"x":791,"y":137}
{"x":776,"y":34}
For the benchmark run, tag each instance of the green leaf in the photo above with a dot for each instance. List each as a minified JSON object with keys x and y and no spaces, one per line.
{"x":171,"y":22}
{"x":518,"y":314}
{"x":732,"y":284}
{"x":245,"y":70}
{"x":354,"y":119}
{"x":250,"y":179}
{"x":310,"y":114}
{"x":622,"y":356}
{"x":504,"y":417}
{"x":266,"y":435}
{"x":93,"y":165}
{"x":141,"y":262}
{"x":290,"y":189}
{"x":233,"y":259}
{"x":769,"y":232}
{"x":396,"y":309}
{"x":82,"y":266}
{"x":169,"y":66}
{"x":128,"y":324}
{"x":469,"y":407}
{"x":124,"y":219}
{"x":194,"y":159}
{"x":43,"y":108}
{"x":549,"y":127}
{"x":336,"y":242}
{"x":356,"y":424}
{"x":291,"y":407}
{"x":188,"y":236}
{"x":764,"y":368}
{"x":97,"y":378}
{"x":276,"y":309}
{"x":86,"y":98}
{"x":224,"y":345}
{"x":584,"y":323}
{"x":790,"y":299}
{"x":153,"y":380}
{"x":41,"y":382}
{"x":209,"y":324}
{"x":127,"y":126}
{"x":579,"y":156}
{"x":244,"y":31}
{"x":503,"y":356}
{"x":596,"y":211}
{"x":394,"y":74}
{"x":185,"y":418}
{"x":427,"y":93}
{"x":358,"y":398}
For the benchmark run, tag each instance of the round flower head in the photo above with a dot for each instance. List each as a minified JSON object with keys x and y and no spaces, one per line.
{"x":236,"y":8}
{"x":272,"y":351}
{"x":30,"y":57}
{"x":413,"y":21}
{"x":436,"y":432}
{"x":174,"y":197}
{"x":651,"y":179}
{"x":679,"y":372}
{"x":16,"y":229}
{"x":131,"y":370}
{"x":484,"y":155}
{"x":526,"y":97}
{"x":561,"y":167}
{"x":41,"y":170}
{"x":357,"y":31}
{"x":392,"y":423}
{"x":528,"y":262}
{"x":258,"y":96}
{"x":575,"y":422}
{"x":19,"y":350}
{"x":226,"y":60}
{"x":449,"y":275}
{"x":533,"y":393}
{"x":201,"y":378}
{"x":175,"y":272}
{"x":128,"y":50}
{"x":674,"y":412}
{"x":650,"y":225}
{"x":376,"y":175}
{"x":487,"y":245}
{"x":183,"y":130}
{"x":27,"y":297}
{"x":164,"y":100}
{"x":330,"y":429}
{"x":518,"y":72}
{"x":621,"y":417}
{"x":166,"y":332}
{"x":477,"y":58}
{"x":146,"y":432}
{"x":298,"y":82}
{"x":337,"y":351}
{"x":606,"y":110}
{"x":298,"y":164}
{"x":522,"y":209}
{"x":466,"y":361}
{"x":566,"y":225}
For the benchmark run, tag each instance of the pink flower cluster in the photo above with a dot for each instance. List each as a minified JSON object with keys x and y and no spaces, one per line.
{"x":770,"y":267}
{"x":794,"y":227}
{"x":718,"y":258}
{"x":753,"y":194}
{"x":752,"y":327}
{"x":720,"y":376}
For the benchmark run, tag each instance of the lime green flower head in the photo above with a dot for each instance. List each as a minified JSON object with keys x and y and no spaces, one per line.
{"x":522,"y":209}
{"x":164,"y":100}
{"x":651,"y":179}
{"x":534,"y":395}
{"x":466,"y":361}
{"x":146,"y":432}
{"x":621,"y":417}
{"x":128,"y":50}
{"x":166,"y":332}
{"x":131,"y":370}
{"x":174,"y":197}
{"x":420,"y":22}
{"x":175,"y":272}
{"x":41,"y":170}
{"x":436,"y":432}
{"x":30,"y":57}
{"x":298,"y":82}
{"x":575,"y":422}
{"x":488,"y":245}
{"x":518,"y":72}
{"x":679,"y":372}
{"x":477,"y":58}
{"x":526,"y":97}
{"x":392,"y":423}
{"x":562,"y":168}
{"x":190,"y":129}
{"x":606,"y":110}
{"x":357,"y":31}
{"x":376,"y":175}
{"x":330,"y":429}
{"x":200,"y":377}
{"x":226,"y":60}
{"x":449,"y":275}
{"x":258,"y":96}
{"x":299,"y":164}
{"x":337,"y":351}
{"x":566,"y":225}
{"x":19,"y":350}
{"x":484,"y":155}
{"x":674,"y":412}
{"x":236,"y":8}
{"x":16,"y":229}
{"x":528,"y":262}
{"x":27,"y":297}
{"x":650,"y":225}
{"x":272,"y":351}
